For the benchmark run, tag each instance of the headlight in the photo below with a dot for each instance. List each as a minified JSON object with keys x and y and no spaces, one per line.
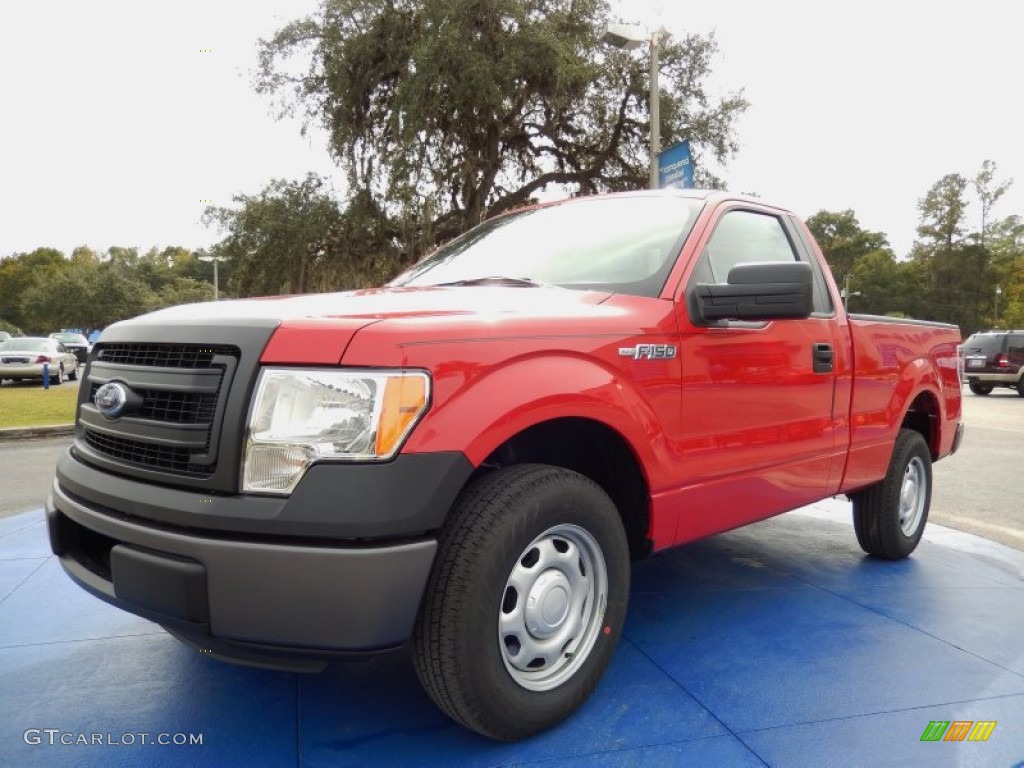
{"x":300,"y":416}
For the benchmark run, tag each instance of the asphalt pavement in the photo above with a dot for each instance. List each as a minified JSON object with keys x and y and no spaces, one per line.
{"x":976,"y":489}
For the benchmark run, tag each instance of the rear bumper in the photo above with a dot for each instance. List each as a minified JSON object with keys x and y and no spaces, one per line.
{"x":27,"y":371}
{"x":1006,"y":379}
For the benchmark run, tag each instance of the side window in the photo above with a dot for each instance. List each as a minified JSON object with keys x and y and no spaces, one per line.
{"x":743,"y":236}
{"x":1015,"y":349}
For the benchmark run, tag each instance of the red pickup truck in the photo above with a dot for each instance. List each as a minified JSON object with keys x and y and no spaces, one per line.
{"x":468,"y":458}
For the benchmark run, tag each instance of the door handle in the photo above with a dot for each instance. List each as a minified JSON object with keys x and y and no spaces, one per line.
{"x":822,"y":357}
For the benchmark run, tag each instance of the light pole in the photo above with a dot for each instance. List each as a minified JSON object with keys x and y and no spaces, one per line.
{"x":216,"y":281}
{"x":846,"y":294}
{"x":630,"y":37}
{"x":999,"y":290}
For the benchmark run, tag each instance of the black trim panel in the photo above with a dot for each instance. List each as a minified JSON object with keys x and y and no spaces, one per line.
{"x":283,"y":595}
{"x":407,"y":496}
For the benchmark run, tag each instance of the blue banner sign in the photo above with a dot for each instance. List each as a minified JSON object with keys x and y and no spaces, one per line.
{"x":675,"y":167}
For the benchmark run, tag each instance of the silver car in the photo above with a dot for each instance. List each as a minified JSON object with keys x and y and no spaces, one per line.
{"x":25,"y":357}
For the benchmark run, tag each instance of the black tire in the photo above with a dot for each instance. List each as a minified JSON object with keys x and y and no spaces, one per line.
{"x":981,"y":389}
{"x":73,"y":376}
{"x":888,"y":523}
{"x":1020,"y":389}
{"x":465,"y":657}
{"x":59,"y":378}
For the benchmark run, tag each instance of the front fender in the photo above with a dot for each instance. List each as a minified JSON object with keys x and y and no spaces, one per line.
{"x":480,"y":413}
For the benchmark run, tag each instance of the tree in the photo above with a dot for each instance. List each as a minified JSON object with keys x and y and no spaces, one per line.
{"x":1005,"y":246}
{"x":286,"y":239}
{"x":18,"y":275}
{"x":444,"y":112}
{"x":989,"y":193}
{"x":181,"y":290}
{"x":843,"y":242}
{"x":953,"y":270}
{"x":943,"y":212}
{"x":884,"y":286}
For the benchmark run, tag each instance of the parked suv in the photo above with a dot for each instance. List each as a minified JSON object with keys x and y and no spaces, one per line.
{"x":994,"y":359}
{"x":76,"y":343}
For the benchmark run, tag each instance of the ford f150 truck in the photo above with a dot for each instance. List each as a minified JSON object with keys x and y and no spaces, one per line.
{"x":467,"y":459}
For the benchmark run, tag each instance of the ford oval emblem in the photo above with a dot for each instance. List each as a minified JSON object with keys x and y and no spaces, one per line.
{"x":111,"y":399}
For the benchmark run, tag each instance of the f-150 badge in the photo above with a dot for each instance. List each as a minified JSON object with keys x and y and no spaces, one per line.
{"x":649,"y":351}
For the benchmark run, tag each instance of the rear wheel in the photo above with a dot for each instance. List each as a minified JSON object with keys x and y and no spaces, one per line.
{"x":980,"y":389}
{"x":889,"y":517}
{"x":526,"y":601}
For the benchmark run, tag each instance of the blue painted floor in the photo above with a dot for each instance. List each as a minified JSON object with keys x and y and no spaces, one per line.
{"x":779,"y":644}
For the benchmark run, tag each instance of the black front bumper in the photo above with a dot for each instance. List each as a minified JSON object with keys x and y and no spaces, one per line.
{"x":258,"y":579}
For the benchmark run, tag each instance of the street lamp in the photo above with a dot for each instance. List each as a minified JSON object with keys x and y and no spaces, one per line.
{"x":846,"y":293}
{"x":999,"y":290}
{"x":629,"y":37}
{"x":216,"y":281}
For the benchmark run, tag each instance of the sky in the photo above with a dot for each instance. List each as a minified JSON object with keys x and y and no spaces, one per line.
{"x":122,"y":120}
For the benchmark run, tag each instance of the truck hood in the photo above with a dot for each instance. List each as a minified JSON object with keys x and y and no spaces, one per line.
{"x":388,"y":303}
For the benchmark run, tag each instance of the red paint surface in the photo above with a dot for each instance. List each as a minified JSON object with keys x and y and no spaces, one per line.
{"x":736,"y":428}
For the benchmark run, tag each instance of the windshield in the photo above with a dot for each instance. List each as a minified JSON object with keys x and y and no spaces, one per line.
{"x":619,"y":244}
{"x":66,"y":337}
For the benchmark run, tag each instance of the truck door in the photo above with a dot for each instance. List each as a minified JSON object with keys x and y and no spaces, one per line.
{"x":757,"y":428}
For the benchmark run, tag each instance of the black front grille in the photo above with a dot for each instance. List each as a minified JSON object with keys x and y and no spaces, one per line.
{"x":174,"y":407}
{"x":145,"y":454}
{"x":164,"y":355}
{"x":176,"y":425}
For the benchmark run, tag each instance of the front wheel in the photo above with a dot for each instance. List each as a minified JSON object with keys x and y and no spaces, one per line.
{"x":981,"y":389}
{"x":526,"y":601}
{"x":889,"y":516}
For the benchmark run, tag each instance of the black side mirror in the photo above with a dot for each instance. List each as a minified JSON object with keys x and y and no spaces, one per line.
{"x":758,"y":291}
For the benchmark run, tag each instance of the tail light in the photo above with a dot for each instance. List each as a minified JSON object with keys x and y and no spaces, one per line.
{"x":1002,"y":361}
{"x":44,"y":359}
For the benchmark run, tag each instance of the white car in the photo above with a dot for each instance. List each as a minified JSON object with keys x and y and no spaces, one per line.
{"x":25,"y":358}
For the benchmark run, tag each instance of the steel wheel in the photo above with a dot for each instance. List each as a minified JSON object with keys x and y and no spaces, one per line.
{"x":889,"y":516}
{"x":912,"y":496}
{"x":552,"y":606}
{"x":526,"y":600}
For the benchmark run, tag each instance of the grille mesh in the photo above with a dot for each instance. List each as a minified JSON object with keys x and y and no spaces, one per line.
{"x":144,"y":454}
{"x":163,"y":355}
{"x":173,"y":407}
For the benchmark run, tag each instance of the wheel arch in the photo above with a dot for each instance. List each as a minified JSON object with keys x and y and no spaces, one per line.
{"x":596,"y":451}
{"x":924,"y":415}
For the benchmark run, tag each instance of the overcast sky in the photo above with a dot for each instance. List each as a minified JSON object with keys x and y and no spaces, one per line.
{"x":117,"y":126}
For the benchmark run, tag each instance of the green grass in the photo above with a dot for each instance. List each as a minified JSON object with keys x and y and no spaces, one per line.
{"x":29,"y":405}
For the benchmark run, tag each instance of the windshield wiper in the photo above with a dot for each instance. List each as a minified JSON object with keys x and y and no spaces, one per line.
{"x":523,"y":282}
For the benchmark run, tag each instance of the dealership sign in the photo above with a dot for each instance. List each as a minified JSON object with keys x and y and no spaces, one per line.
{"x":675,"y":167}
